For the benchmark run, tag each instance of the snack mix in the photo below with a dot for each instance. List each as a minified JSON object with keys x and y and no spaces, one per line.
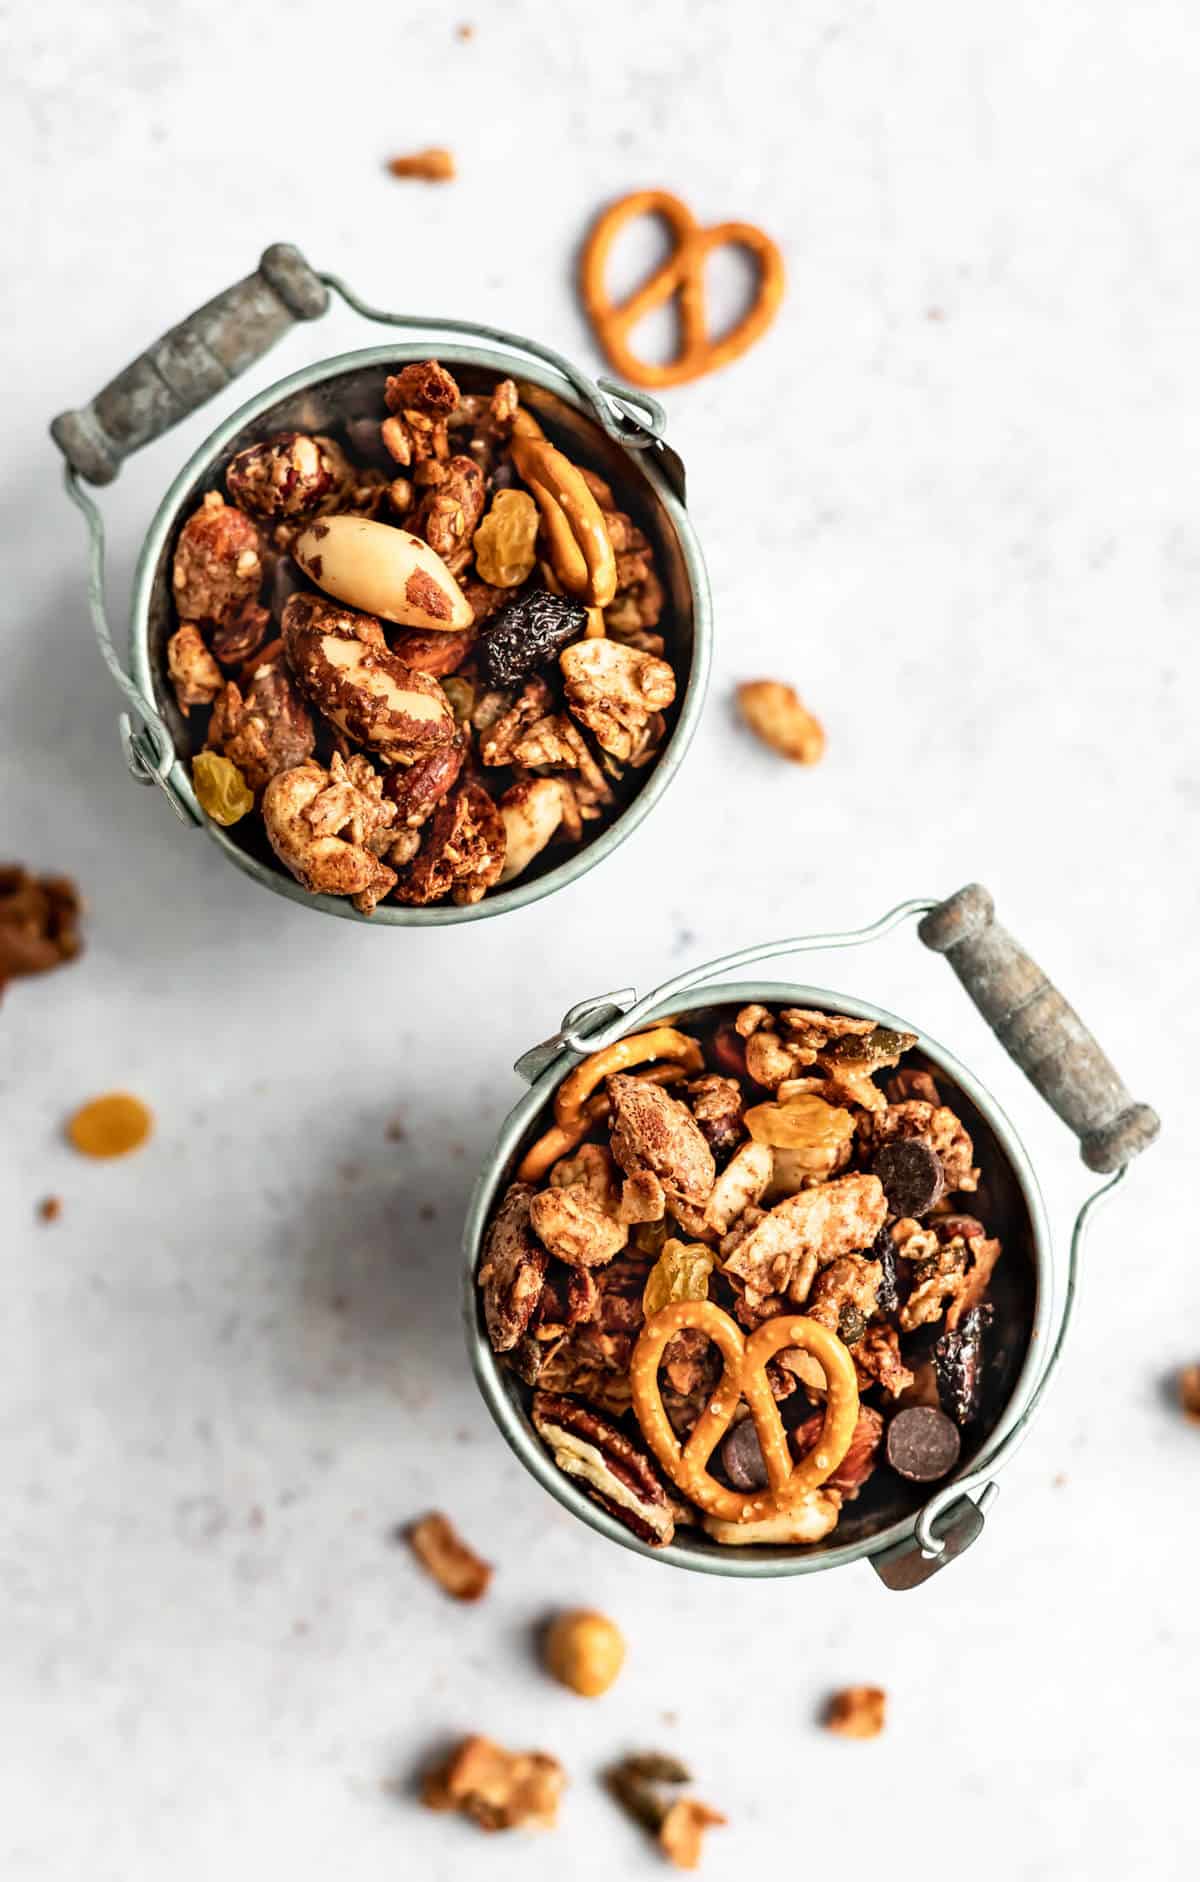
{"x":425,"y":678}
{"x":736,"y":1277}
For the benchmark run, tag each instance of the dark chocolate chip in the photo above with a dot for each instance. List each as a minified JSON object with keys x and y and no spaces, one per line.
{"x":922,"y":1444}
{"x":741,"y":1455}
{"x":958,"y":1358}
{"x":911,"y":1174}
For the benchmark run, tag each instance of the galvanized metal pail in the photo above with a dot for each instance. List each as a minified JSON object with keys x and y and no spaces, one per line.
{"x":924,"y":1530}
{"x":615,"y":430}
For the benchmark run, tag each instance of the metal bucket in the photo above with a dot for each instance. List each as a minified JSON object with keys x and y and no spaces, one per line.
{"x":1046,"y":1039}
{"x":612,"y":429}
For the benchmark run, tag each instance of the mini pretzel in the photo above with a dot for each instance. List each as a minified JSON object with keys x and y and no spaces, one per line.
{"x":560,"y":1140}
{"x":661,"y":1042}
{"x":581,"y":553}
{"x":744,"y":1376}
{"x":681,"y":274}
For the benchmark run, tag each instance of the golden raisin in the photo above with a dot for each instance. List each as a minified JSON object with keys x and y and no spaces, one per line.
{"x":584,"y":1650}
{"x":680,"y":1273}
{"x":804,"y":1123}
{"x":221,"y":790}
{"x":504,"y":541}
{"x":110,"y":1126}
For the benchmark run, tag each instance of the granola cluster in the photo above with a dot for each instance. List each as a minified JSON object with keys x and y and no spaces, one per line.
{"x":775,"y":1163}
{"x":425,"y":657}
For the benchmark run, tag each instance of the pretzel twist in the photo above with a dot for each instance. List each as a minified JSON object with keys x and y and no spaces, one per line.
{"x":744,"y":1376}
{"x":680,"y":275}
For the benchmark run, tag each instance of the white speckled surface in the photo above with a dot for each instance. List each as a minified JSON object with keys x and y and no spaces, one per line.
{"x":954,"y":497}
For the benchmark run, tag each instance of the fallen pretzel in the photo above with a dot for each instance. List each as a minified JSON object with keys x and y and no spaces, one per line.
{"x":744,"y":1376}
{"x":681,"y":274}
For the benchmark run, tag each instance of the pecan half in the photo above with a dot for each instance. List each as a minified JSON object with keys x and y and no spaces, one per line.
{"x":619,"y":1477}
{"x":512,"y":1270}
{"x":417,"y":790}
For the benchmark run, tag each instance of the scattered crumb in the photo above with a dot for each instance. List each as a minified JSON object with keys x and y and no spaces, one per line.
{"x":669,"y":1718}
{"x":464,"y":32}
{"x":498,"y":1789}
{"x":350,"y":1172}
{"x":857,"y":1712}
{"x":934,"y":313}
{"x":1059,"y":1480}
{"x":428,"y":166}
{"x":338,"y":1303}
{"x":777,"y":715}
{"x":1189,"y":1392}
{"x":396,"y":1132}
{"x":257,"y":1517}
{"x":443,"y":1554}
{"x":427,"y":1212}
{"x":300,"y":1627}
{"x":49,"y":1209}
{"x":681,"y":1833}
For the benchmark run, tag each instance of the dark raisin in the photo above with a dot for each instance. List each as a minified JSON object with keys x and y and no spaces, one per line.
{"x":527,"y":634}
{"x":958,"y":1360}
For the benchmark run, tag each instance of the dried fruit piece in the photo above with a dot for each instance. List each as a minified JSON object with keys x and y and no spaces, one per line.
{"x":857,"y":1712}
{"x":911,"y":1174}
{"x":110,"y":1126}
{"x":528,"y":633}
{"x":584,"y":1650}
{"x":442,"y":1552}
{"x":922,"y":1444}
{"x":776,"y":714}
{"x":680,"y":1273}
{"x":221,"y":791}
{"x":505,"y":543}
{"x":497,"y":1789}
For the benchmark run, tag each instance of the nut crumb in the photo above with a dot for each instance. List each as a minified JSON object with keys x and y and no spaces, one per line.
{"x":443,"y":1554}
{"x":464,"y":31}
{"x":681,"y":1833}
{"x":1189,"y":1392}
{"x":776,"y":714}
{"x":497,"y":1789}
{"x":857,"y":1712}
{"x":678,"y":1824}
{"x":429,"y":166}
{"x":39,"y":922}
{"x":50,"y":1208}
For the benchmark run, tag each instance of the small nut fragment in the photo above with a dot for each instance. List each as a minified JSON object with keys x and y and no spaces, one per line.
{"x":442,"y":1552}
{"x":218,"y":563}
{"x":434,"y":165}
{"x":682,"y":1830}
{"x":857,"y":1712}
{"x":110,"y":1126}
{"x":192,"y":670}
{"x":584,"y":1650}
{"x":776,"y":714}
{"x":1189,"y":1392}
{"x":505,"y":543}
{"x":497,"y":1789}
{"x":382,"y":570}
{"x":532,"y":811}
{"x":39,"y":922}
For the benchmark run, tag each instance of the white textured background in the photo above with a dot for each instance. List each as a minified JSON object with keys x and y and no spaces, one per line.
{"x":954,"y":497}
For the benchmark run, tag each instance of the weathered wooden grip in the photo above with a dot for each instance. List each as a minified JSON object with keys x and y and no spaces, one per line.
{"x":190,"y":363}
{"x":1044,"y":1035}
